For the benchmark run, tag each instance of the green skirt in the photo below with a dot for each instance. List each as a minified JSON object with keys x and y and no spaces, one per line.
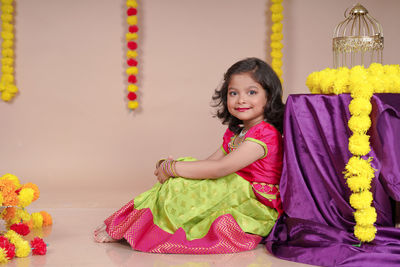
{"x":194,"y":205}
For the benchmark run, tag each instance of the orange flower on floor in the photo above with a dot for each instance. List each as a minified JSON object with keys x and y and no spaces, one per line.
{"x":47,"y":220}
{"x":7,"y":188}
{"x":8,"y":213}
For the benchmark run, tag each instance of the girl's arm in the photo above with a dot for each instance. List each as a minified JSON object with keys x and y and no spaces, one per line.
{"x":244,"y":155}
{"x":216,"y":155}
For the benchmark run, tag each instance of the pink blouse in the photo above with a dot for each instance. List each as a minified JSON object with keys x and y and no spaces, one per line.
{"x":264,"y":174}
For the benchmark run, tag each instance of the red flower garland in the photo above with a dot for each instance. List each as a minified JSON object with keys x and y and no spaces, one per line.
{"x":38,"y":246}
{"x":132,"y":96}
{"x":132,"y":45}
{"x":132,"y":62}
{"x":8,"y":246}
{"x":131,"y":11}
{"x":20,"y":228}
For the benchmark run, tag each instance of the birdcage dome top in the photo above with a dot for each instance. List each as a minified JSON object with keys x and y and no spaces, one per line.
{"x":358,"y":23}
{"x":356,"y":36}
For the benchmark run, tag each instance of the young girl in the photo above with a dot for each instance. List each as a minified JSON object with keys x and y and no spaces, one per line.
{"x":227,"y":202}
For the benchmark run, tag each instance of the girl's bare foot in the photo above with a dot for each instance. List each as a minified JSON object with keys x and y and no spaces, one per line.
{"x":99,"y":228}
{"x":102,"y":237}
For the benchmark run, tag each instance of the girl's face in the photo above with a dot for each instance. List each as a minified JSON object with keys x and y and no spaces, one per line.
{"x":246,"y":99}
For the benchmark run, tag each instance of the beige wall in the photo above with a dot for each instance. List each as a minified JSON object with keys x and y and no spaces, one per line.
{"x":69,"y":128}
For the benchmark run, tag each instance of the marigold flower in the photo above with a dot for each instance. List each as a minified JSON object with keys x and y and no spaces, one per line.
{"x":132,"y":88}
{"x":47,"y":220}
{"x":131,"y":36}
{"x":277,"y":27}
{"x":276,"y":17}
{"x":360,"y":106}
{"x":37,"y":219}
{"x":132,"y":71}
{"x":11,"y":177}
{"x":22,"y":249}
{"x":20,"y":228}
{"x":361,"y":200}
{"x":38,"y":246}
{"x":8,"y":247}
{"x":131,"y":3}
{"x":359,"y":124}
{"x":365,"y":217}
{"x":8,"y":213}
{"x":276,"y":37}
{"x":359,"y":183}
{"x":3,"y":256}
{"x":133,"y":104}
{"x":35,"y":188}
{"x":359,"y":144}
{"x":7,"y":188}
{"x":365,"y":233}
{"x":132,"y":20}
{"x":25,"y":197}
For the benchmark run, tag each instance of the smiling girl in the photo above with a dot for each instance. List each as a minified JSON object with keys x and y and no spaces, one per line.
{"x":227,"y":202}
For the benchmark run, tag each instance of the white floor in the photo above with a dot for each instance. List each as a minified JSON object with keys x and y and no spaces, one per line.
{"x":76,"y":213}
{"x":70,"y":243}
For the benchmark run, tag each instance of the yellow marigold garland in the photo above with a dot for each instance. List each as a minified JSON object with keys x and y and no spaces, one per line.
{"x":12,"y":193}
{"x":382,"y":79}
{"x":3,"y":256}
{"x":37,"y":219}
{"x":276,"y":37}
{"x":131,"y":38}
{"x":18,"y":220}
{"x":361,"y":83}
{"x":22,"y":248}
{"x":7,"y":84}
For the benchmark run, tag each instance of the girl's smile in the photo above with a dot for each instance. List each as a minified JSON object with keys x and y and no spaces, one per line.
{"x":242,"y":109}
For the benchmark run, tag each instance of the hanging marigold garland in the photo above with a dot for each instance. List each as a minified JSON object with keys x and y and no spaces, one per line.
{"x":276,"y":37}
{"x":131,"y":38}
{"x":7,"y":85}
{"x":361,"y":83}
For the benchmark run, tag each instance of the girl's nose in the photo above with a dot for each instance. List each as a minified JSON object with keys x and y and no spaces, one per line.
{"x":242,"y":98}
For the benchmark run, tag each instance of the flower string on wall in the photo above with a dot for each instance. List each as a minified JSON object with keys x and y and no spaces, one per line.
{"x":7,"y":84}
{"x":276,"y":37}
{"x":361,"y":83}
{"x":131,"y":38}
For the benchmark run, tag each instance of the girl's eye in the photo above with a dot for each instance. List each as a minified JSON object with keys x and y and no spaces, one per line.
{"x":252,"y":92}
{"x":232,"y":93}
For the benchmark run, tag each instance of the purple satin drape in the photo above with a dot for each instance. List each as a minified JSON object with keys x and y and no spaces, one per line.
{"x":318,"y":225}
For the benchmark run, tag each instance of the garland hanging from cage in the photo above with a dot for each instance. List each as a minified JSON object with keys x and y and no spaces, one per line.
{"x":361,"y":83}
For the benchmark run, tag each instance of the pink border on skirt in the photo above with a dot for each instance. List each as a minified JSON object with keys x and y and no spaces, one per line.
{"x":137,"y":227}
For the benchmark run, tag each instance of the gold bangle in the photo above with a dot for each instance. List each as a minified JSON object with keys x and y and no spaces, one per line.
{"x":173,"y":168}
{"x":159,"y":163}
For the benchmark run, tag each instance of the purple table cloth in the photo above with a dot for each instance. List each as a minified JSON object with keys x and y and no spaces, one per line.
{"x":318,"y":225}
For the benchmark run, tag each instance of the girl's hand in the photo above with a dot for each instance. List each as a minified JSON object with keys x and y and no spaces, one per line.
{"x":161,"y":176}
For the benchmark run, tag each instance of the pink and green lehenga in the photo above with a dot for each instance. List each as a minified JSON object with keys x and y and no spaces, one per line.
{"x":225,"y":215}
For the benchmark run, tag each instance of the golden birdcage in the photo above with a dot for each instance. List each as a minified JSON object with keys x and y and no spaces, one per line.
{"x":358,"y":40}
